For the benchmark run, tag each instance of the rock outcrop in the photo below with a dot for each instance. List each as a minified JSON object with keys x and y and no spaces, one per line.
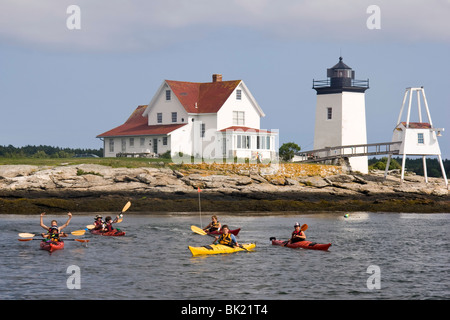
{"x":292,"y":184}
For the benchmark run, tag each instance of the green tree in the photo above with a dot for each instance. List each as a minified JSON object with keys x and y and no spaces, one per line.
{"x":381,"y":164}
{"x":287,"y":150}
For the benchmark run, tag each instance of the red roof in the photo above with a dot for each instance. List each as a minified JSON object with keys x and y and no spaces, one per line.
{"x":205,"y":97}
{"x":418,"y":125}
{"x":244,"y":129}
{"x":138,"y":125}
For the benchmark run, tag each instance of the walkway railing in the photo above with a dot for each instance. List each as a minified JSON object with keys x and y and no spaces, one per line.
{"x":357,"y":150}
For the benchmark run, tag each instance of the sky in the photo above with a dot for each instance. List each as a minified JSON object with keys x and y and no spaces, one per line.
{"x":68,"y":75}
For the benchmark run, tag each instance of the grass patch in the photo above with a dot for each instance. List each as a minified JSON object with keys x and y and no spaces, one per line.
{"x":111,"y":162}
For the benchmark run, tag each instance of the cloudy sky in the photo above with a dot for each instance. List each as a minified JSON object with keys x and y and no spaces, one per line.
{"x":62,"y":86}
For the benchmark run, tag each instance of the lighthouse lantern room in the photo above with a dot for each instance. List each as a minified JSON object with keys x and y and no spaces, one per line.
{"x":340,"y":112}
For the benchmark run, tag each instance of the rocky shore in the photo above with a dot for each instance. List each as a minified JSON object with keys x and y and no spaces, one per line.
{"x":27,"y":189}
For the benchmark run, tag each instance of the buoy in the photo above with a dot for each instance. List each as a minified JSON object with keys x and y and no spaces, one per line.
{"x":346,"y":215}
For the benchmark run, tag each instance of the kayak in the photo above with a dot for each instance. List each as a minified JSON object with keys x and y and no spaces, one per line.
{"x":219,"y":248}
{"x":235,"y":232}
{"x":301,"y":244}
{"x":52,"y":245}
{"x":113,"y":233}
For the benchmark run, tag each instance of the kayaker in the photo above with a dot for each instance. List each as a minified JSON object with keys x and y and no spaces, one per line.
{"x":297,"y":234}
{"x":213,"y":226}
{"x":54,"y":224}
{"x":226,"y":238}
{"x":108,"y":224}
{"x":98,"y":222}
{"x":53,"y":234}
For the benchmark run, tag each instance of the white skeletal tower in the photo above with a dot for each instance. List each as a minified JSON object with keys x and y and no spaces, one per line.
{"x":417,"y":138}
{"x":341,"y":112}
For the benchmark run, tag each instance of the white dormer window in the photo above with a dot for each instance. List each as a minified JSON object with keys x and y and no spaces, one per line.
{"x":238,"y":94}
{"x":168,"y":95}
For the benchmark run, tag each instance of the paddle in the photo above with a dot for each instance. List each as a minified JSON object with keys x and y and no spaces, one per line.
{"x":26,"y":235}
{"x":82,"y":232}
{"x":31,"y":235}
{"x":200,"y":231}
{"x":79,"y":240}
{"x":125,"y":208}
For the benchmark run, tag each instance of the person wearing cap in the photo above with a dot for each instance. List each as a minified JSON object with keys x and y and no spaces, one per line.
{"x":54,"y":227}
{"x":297,"y":234}
{"x":53,"y":234}
{"x":98,"y":222}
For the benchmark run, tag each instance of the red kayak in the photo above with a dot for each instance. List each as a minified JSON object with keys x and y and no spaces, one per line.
{"x":114,"y":233}
{"x":52,"y":245}
{"x":235,"y":232}
{"x":301,"y":244}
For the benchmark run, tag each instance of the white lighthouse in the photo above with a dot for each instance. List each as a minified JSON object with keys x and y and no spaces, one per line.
{"x":340,"y":112}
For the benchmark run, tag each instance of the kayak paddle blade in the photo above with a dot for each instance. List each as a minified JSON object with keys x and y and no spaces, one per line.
{"x":26,"y":235}
{"x":78,"y":232}
{"x":126,"y":207}
{"x":198,"y":230}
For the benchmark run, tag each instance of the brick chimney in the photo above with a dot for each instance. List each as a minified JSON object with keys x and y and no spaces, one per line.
{"x":216,"y":77}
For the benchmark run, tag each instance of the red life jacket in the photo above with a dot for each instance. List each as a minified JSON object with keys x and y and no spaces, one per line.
{"x":98,"y":224}
{"x":296,"y":233}
{"x":109,"y":227}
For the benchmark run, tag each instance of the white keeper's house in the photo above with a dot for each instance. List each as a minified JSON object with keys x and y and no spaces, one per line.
{"x":209,"y":120}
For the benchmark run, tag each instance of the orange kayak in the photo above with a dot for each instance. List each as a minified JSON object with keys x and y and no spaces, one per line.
{"x":52,"y":245}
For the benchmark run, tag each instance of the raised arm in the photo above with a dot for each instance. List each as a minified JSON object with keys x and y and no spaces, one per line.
{"x":42,"y":221}
{"x":67,"y":223}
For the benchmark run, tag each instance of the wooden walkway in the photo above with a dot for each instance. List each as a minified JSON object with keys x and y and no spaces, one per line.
{"x":357,"y":150}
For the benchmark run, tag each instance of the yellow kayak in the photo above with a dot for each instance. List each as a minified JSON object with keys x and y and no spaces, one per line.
{"x":219,"y":248}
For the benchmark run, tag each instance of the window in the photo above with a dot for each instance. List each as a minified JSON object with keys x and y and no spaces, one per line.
{"x":159,"y":117}
{"x":202,"y":131}
{"x":174,"y":117}
{"x":420,"y":138}
{"x":260,"y":142}
{"x":268,"y":142}
{"x":238,"y":94}
{"x":238,"y":118}
{"x":329,"y":113}
{"x":248,"y":144}
{"x":165,"y":141}
{"x":243,"y":142}
{"x":111,"y":145}
{"x":167,"y":95}
{"x":131,"y":142}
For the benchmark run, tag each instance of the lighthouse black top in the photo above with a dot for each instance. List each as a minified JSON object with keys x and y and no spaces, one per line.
{"x":340,"y":78}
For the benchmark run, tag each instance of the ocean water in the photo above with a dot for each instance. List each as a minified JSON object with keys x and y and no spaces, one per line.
{"x":373,"y":256}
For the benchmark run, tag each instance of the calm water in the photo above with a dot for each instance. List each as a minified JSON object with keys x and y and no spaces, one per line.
{"x":153,"y":261}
